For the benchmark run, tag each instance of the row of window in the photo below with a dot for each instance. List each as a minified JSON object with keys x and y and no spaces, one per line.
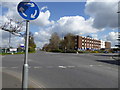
{"x":91,"y":41}
{"x":90,"y":44}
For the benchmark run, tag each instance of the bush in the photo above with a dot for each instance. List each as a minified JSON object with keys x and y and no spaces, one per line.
{"x":80,"y":51}
{"x":84,"y":51}
{"x":94,"y":52}
{"x":30,"y":49}
{"x":56,"y":50}
{"x":70,"y":51}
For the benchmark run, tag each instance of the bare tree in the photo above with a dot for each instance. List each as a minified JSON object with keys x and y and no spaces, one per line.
{"x":54,"y":41}
{"x":13,"y":27}
{"x":69,"y":41}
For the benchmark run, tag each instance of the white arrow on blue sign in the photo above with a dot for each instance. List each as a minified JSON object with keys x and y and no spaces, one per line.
{"x":28,"y":10}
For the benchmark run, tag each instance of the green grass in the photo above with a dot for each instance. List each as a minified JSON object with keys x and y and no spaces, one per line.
{"x":15,"y":53}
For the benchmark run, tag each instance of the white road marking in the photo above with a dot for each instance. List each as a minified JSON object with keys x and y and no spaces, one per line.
{"x":36,"y":67}
{"x":71,"y":66}
{"x":95,"y":65}
{"x":40,"y":86}
{"x":91,"y":65}
{"x":2,"y":67}
{"x":61,"y":66}
{"x":52,"y":53}
{"x":14,"y":67}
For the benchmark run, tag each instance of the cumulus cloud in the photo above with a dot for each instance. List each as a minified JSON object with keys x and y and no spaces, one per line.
{"x":43,"y":19}
{"x":42,"y":37}
{"x":112,"y":37}
{"x":103,"y":13}
{"x":43,"y":8}
{"x":70,"y":24}
{"x":74,"y":24}
{"x":95,"y":36}
{"x":15,"y":41}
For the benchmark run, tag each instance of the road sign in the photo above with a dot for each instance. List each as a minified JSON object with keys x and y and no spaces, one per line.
{"x":28,"y":10}
{"x":22,"y":45}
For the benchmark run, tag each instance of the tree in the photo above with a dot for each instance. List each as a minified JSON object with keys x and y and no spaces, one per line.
{"x":54,"y":41}
{"x":32,"y":45}
{"x":13,"y":27}
{"x":89,"y":36}
{"x":46,"y":47}
{"x":69,"y":41}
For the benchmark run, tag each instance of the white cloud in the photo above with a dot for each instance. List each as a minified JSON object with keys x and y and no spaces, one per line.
{"x":104,"y":13}
{"x":95,"y":36}
{"x":42,"y":37}
{"x":72,"y":24}
{"x":43,"y":8}
{"x":15,"y":41}
{"x":43,"y":19}
{"x":112,"y":37}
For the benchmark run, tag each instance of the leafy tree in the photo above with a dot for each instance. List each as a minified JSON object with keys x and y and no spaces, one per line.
{"x":89,"y":36}
{"x":46,"y":47}
{"x":55,"y":44}
{"x":69,"y":41}
{"x":32,"y":45}
{"x":54,"y":41}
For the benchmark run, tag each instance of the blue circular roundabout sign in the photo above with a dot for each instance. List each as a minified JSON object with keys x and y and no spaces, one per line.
{"x":28,"y":10}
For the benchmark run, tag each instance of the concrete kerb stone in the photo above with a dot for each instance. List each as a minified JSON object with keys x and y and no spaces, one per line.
{"x":17,"y":79}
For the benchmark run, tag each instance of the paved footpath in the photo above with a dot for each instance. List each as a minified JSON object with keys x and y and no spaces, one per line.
{"x":8,"y":81}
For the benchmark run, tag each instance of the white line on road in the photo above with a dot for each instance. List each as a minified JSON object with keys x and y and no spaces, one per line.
{"x":61,"y":66}
{"x":91,"y":65}
{"x":37,"y":84}
{"x":71,"y":66}
{"x":36,"y":67}
{"x":2,"y":67}
{"x":14,"y":67}
{"x":95,"y":65}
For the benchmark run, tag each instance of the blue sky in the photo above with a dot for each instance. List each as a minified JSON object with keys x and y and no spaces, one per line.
{"x":79,"y":18}
{"x":60,"y":9}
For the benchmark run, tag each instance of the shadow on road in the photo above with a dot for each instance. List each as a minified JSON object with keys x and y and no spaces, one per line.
{"x":108,"y":55}
{"x":114,"y":62}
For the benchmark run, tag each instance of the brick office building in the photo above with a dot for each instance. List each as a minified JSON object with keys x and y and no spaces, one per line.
{"x":107,"y":45}
{"x":85,"y":43}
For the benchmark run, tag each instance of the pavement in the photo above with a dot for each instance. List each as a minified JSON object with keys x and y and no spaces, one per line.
{"x":9,"y":81}
{"x":56,"y":70}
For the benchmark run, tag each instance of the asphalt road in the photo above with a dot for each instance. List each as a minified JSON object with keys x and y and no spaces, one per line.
{"x":55,"y":70}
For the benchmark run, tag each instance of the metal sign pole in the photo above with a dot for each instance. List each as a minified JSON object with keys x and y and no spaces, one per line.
{"x":25,"y":66}
{"x":27,"y":13}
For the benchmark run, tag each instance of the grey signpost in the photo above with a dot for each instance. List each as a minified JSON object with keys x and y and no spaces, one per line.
{"x":29,"y":11}
{"x":25,"y":66}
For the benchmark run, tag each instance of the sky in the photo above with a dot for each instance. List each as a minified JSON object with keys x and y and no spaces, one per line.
{"x":98,"y":19}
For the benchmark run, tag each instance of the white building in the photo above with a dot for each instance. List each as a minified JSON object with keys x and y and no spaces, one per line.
{"x":102,"y":44}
